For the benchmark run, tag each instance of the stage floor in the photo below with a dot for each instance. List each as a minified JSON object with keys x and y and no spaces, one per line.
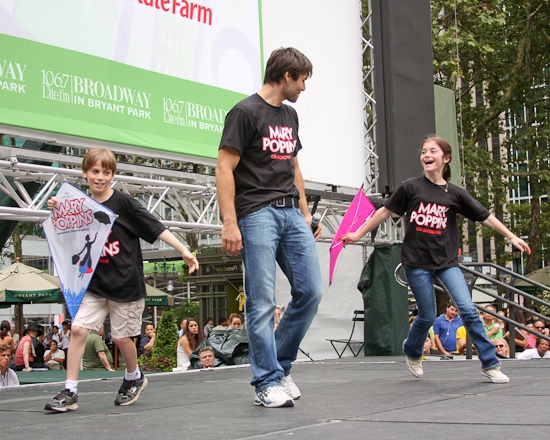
{"x":351,"y":398}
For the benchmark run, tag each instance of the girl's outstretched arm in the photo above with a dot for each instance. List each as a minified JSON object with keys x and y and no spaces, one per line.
{"x":496,"y":224}
{"x":379,"y":216}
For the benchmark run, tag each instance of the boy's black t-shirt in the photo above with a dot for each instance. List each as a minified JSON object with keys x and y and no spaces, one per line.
{"x":431,"y":233}
{"x":119,"y":273}
{"x":266,"y":138}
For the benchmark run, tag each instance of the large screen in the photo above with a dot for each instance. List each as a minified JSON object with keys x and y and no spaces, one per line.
{"x":159,"y":74}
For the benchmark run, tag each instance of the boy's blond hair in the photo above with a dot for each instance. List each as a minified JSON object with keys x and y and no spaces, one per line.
{"x":107,"y":158}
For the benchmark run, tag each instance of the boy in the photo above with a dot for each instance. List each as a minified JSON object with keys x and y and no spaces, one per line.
{"x":117,"y":286}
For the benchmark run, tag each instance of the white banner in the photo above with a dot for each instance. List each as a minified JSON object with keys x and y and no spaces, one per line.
{"x":76,"y":231}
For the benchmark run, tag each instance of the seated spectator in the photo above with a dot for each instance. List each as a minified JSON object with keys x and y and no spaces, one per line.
{"x":14,"y":335}
{"x":503,"y":350}
{"x":492,"y":328}
{"x":148,"y":341}
{"x":8,"y":378}
{"x":445,"y":327}
{"x":427,"y":345}
{"x":236,"y":321}
{"x":187,"y":343}
{"x":539,"y":327}
{"x":224,"y":322}
{"x":24,"y":353}
{"x":207,"y":357}
{"x":539,"y":352}
{"x":66,"y":339}
{"x":208,"y":327}
{"x":54,"y":357}
{"x":96,"y":353}
{"x":5,"y":336}
{"x":461,"y":339}
{"x":183,"y":325}
{"x":54,"y":336}
{"x":279,"y":312}
{"x":520,"y":337}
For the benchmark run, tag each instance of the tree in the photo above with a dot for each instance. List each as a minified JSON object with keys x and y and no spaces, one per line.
{"x":494,"y":55}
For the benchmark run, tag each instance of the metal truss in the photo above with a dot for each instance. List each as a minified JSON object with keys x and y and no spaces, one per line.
{"x":369,"y":103}
{"x":184,"y":202}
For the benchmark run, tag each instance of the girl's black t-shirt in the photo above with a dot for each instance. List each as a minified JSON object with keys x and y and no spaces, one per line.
{"x":431,"y":233}
{"x":266,"y":138}
{"x":119,"y":273}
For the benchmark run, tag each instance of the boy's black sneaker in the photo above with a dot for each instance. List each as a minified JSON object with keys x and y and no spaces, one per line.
{"x":130,"y":390}
{"x":64,"y":401}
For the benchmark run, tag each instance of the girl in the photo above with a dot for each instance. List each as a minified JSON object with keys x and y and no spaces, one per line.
{"x":5,"y":337}
{"x":188,"y":342}
{"x":430,"y":250}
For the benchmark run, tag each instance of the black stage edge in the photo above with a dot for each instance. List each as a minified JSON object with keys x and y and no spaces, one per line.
{"x":352,"y":398}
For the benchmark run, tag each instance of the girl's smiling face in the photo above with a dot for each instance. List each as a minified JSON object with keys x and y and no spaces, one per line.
{"x":432,"y":158}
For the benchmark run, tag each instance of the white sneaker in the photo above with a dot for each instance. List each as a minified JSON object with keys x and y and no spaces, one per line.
{"x":414,"y":366}
{"x":290,"y":387}
{"x":495,"y":375}
{"x":273,"y":397}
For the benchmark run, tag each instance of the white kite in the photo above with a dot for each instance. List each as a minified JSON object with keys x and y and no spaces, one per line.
{"x":76,"y":231}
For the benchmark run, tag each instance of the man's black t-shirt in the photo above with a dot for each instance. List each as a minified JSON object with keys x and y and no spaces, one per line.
{"x":431,"y":234}
{"x":119,"y":273}
{"x":266,"y":138}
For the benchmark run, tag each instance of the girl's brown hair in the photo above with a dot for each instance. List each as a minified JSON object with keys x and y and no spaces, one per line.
{"x":447,"y":151}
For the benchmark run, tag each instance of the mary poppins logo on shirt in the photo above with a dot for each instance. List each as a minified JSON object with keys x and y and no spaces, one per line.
{"x":280,"y":143}
{"x":430,"y":218}
{"x":110,"y":249}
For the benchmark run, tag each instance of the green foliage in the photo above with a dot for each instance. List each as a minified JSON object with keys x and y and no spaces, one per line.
{"x":494,"y":56}
{"x":163,"y":356}
{"x":187,"y":309}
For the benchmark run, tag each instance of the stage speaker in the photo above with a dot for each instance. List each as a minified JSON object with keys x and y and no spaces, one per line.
{"x":403,"y":87}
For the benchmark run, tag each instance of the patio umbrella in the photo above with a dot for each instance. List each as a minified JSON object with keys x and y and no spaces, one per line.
{"x":156,"y":297}
{"x":20,"y":283}
{"x":541,"y":276}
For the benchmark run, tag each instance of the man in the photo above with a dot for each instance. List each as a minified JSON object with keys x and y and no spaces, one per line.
{"x":183,"y":325}
{"x":8,"y":378}
{"x":540,"y":352}
{"x":207,"y":357}
{"x":65,"y":339}
{"x":492,"y":330}
{"x":148,"y":341}
{"x":96,"y":353}
{"x":52,"y":335}
{"x":266,"y":219}
{"x":14,"y":335}
{"x":445,"y":327}
{"x":54,"y":357}
{"x":223,"y":324}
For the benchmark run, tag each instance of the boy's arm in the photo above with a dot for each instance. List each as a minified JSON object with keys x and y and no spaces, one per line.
{"x":189,"y":258}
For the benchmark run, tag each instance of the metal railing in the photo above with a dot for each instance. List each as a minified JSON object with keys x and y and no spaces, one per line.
{"x":510,"y":296}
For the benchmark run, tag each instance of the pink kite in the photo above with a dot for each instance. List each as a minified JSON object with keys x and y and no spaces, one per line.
{"x":358,"y":213}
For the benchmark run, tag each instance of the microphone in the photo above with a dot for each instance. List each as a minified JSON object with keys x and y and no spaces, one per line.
{"x":315,"y":221}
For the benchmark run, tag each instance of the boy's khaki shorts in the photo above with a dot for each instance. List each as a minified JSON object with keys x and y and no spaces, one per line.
{"x":125,"y":317}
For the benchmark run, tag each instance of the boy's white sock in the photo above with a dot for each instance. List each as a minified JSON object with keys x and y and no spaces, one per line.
{"x":72,"y":386}
{"x":132,"y":376}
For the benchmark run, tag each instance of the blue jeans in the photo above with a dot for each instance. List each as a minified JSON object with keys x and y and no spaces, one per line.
{"x":278,"y":235}
{"x":451,"y":280}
